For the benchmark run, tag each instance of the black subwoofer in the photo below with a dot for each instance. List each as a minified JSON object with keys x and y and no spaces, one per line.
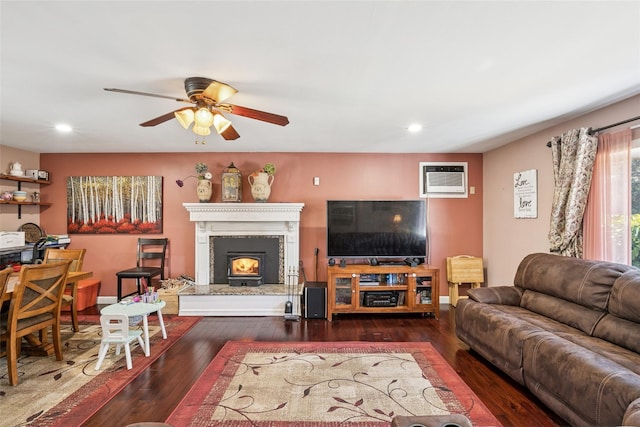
{"x":315,"y":300}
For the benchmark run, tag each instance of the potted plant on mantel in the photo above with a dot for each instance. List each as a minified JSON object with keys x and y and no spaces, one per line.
{"x":204,"y":189}
{"x":261,"y":181}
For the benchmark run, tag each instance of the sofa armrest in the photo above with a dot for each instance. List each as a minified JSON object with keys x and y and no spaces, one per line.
{"x":632,"y":416}
{"x":506,"y":295}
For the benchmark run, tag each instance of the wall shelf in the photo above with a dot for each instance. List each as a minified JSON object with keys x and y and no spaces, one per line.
{"x":13,"y":202}
{"x":20,"y":180}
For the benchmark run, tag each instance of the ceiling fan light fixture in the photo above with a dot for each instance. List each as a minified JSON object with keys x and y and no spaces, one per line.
{"x":205,"y":95}
{"x":226,"y":92}
{"x":201,"y":130}
{"x":185,"y":117}
{"x":220,"y":123}
{"x":203,"y":117}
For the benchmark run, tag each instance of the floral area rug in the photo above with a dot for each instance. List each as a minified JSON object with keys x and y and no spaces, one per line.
{"x":326,"y":384}
{"x":67,"y":392}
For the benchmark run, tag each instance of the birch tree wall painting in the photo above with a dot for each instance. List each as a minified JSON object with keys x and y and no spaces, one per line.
{"x":114,"y":204}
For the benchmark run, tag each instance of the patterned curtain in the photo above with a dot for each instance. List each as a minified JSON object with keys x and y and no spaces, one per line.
{"x":573,"y":156}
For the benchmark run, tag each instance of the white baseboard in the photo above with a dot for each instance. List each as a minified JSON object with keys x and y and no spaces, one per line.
{"x":105,"y":300}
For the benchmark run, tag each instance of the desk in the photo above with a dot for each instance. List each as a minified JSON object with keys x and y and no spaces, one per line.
{"x":27,"y":253}
{"x":140,"y":309}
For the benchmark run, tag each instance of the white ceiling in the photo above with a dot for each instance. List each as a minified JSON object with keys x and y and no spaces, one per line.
{"x":350,"y":75}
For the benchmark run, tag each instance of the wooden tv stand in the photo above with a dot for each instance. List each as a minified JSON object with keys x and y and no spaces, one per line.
{"x":359,"y":288}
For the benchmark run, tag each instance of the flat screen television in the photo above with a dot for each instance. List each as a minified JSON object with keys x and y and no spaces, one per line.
{"x":376,"y":229}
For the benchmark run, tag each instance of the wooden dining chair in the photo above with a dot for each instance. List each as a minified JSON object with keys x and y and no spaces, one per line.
{"x":149,"y":251}
{"x":76,"y":256}
{"x":35,"y":305}
{"x":4,"y":279}
{"x":4,"y":302}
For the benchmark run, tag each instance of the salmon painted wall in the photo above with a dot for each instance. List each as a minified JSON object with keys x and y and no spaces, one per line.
{"x":455,"y":224}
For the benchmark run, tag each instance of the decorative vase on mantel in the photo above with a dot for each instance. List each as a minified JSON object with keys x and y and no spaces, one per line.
{"x":261,"y":185}
{"x":204,"y":189}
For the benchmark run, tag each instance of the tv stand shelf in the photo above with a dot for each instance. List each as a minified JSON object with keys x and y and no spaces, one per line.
{"x":363,"y":288}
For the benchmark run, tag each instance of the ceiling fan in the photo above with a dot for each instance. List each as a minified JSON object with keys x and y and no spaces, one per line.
{"x":207,"y":97}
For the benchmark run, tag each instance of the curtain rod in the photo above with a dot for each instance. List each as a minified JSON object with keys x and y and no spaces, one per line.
{"x":594,"y":131}
{"x":614,"y":125}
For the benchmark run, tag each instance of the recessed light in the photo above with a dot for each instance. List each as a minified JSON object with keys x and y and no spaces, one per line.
{"x":63,"y":128}
{"x":416,"y":127}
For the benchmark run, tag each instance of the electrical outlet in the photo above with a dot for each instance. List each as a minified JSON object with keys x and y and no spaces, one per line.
{"x":316,"y":180}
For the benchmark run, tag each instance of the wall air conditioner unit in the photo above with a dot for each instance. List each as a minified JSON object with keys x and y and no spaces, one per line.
{"x":443,"y":179}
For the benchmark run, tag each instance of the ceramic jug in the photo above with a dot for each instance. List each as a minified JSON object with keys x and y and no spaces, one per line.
{"x":16,"y":169}
{"x":204,"y":190}
{"x":261,"y":185}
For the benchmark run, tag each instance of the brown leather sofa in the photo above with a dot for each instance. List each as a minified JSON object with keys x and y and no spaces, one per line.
{"x":568,"y":330}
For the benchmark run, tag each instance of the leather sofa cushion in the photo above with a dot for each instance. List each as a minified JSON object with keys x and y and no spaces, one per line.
{"x":621,"y":332}
{"x":622,"y":325}
{"x":497,"y":331}
{"x":569,"y":313}
{"x":598,"y":389}
{"x":624,"y":357}
{"x":582,"y":282}
{"x":632,"y":417}
{"x":625,"y":296}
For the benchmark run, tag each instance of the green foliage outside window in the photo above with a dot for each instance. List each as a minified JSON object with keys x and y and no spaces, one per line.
{"x":635,"y":212}
{"x":635,"y":240}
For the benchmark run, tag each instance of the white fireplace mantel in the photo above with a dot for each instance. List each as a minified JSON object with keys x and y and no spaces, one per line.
{"x":241,"y":219}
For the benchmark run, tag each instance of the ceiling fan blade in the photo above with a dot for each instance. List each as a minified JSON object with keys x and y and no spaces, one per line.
{"x":133,"y":92}
{"x":218,"y":91}
{"x":256,"y":114}
{"x":230,"y":134}
{"x":163,"y":118}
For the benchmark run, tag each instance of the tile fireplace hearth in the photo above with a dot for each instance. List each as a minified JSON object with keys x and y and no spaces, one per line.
{"x":214,"y":221}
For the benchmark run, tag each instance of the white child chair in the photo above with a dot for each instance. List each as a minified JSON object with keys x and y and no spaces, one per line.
{"x":115,"y":330}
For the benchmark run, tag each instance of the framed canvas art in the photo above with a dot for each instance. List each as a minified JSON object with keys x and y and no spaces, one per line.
{"x":114,"y":204}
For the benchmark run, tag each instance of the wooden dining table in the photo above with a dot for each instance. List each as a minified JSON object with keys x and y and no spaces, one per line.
{"x":73,"y":277}
{"x":40,"y":346}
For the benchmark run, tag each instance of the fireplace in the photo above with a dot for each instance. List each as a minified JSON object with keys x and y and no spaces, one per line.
{"x":271,"y":246}
{"x":245,"y":268}
{"x":272,"y":228}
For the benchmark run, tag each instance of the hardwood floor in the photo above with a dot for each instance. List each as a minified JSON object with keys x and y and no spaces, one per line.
{"x":156,"y":392}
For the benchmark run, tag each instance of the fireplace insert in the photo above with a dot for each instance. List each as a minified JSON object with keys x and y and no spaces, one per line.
{"x":245,"y":268}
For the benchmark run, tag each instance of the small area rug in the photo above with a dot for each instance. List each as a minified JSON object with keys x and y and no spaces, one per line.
{"x":68,"y":392}
{"x":312,"y":384}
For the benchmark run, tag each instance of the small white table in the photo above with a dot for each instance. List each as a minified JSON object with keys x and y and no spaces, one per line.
{"x":140,"y":309}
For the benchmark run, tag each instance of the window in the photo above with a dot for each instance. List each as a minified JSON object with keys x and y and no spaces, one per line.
{"x":608,"y":233}
{"x":635,"y":203}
